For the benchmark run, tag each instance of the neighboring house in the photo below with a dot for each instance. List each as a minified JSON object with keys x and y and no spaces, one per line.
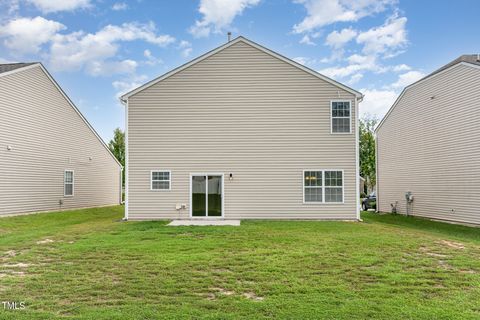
{"x":428,"y":144}
{"x":242,"y":133}
{"x":50,"y":158}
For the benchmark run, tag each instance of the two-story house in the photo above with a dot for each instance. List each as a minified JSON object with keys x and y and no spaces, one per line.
{"x":242,"y":132}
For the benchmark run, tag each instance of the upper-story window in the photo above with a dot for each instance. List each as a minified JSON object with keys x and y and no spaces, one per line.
{"x":341,"y":117}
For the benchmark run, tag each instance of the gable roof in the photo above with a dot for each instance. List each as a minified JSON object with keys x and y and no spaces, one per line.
{"x":471,"y":60}
{"x":7,"y":67}
{"x":18,"y":67}
{"x":125,"y":97}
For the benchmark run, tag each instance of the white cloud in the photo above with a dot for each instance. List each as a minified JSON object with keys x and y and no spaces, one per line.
{"x":124,"y":86}
{"x":305,"y":61}
{"x":324,"y":12}
{"x":386,"y":38}
{"x":401,"y":67}
{"x":26,"y":35}
{"x":218,"y":15}
{"x":105,"y":68}
{"x":338,"y":39}
{"x":306,"y":40}
{"x":119,"y":6}
{"x":186,"y":52}
{"x":79,"y":50}
{"x":186,"y":48}
{"x":357,"y":63}
{"x":377,"y":102}
{"x":407,"y":78}
{"x":355,"y":78}
{"x":301,"y":60}
{"x":48,"y":6}
{"x":151,"y":59}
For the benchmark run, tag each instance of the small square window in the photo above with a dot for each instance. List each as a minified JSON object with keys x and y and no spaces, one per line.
{"x":160,"y":180}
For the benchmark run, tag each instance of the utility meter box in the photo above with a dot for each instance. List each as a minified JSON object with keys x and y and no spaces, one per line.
{"x":409,"y":196}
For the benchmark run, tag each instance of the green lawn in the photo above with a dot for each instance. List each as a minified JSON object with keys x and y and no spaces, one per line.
{"x":85,"y":264}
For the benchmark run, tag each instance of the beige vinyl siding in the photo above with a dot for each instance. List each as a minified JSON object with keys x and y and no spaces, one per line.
{"x":244,"y":112}
{"x":47,"y":137}
{"x":431,"y":147}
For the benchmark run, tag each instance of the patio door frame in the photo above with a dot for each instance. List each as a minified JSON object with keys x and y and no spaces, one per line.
{"x":206,"y":205}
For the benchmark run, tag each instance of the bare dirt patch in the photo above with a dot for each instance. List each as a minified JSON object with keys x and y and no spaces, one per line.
{"x":9,"y":273}
{"x":252,"y":296}
{"x":223,"y":291}
{"x":10,"y":253}
{"x":16,"y":265}
{"x":467,"y":271}
{"x":430,"y":253}
{"x":45,"y":241}
{"x":451,"y":244}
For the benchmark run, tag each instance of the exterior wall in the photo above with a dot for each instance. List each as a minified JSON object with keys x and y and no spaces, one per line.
{"x":431,"y":148}
{"x":48,"y":136}
{"x":244,"y":112}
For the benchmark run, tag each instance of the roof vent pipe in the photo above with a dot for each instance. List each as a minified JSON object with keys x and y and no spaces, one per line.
{"x":478,"y":57}
{"x":229,"y":35}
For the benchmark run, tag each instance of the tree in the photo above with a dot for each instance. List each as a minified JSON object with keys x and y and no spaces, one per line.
{"x":367,"y":150}
{"x":117,"y":146}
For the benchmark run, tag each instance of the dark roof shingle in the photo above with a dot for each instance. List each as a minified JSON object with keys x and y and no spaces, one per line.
{"x":5,"y":67}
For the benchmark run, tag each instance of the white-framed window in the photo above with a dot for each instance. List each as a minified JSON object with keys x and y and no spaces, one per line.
{"x":341,"y":116}
{"x":313,"y":186}
{"x":68,"y":183}
{"x":323,"y":186}
{"x":333,"y":186}
{"x":160,"y":180}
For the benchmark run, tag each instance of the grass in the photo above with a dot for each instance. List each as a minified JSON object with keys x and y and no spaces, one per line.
{"x":86,"y":265}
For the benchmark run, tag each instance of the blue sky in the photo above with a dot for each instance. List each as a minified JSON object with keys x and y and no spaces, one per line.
{"x":97,"y":50}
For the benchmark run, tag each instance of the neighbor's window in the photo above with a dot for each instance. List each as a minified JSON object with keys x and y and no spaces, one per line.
{"x":68,"y":183}
{"x":312,"y":183}
{"x":160,"y":180}
{"x":333,"y":186}
{"x":341,"y":117}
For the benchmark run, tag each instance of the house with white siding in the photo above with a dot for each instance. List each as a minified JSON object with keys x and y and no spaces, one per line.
{"x":428,"y":145}
{"x":242,"y":132}
{"x":50,"y":156}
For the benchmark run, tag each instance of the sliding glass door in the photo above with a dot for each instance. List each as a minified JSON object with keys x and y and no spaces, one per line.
{"x":207,"y":195}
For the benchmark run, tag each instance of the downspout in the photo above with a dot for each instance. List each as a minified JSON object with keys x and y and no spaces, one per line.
{"x":376,"y":173}
{"x":121,"y":185}
{"x":357,"y":157}
{"x":125,"y":103}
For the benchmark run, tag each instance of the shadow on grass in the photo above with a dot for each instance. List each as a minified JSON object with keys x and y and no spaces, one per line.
{"x":453,"y":230}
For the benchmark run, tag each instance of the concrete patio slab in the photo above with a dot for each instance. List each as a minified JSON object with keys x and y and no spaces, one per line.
{"x":192,"y":222}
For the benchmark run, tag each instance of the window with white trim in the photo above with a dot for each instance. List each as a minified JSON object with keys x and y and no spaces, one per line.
{"x":312,"y":183}
{"x":68,"y":183}
{"x":160,"y":180}
{"x":333,"y":186}
{"x":323,"y":186}
{"x":341,"y":116}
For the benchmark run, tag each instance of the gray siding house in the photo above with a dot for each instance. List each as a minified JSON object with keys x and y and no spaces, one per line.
{"x":50,"y":156}
{"x":242,"y":133}
{"x":428,"y":144}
